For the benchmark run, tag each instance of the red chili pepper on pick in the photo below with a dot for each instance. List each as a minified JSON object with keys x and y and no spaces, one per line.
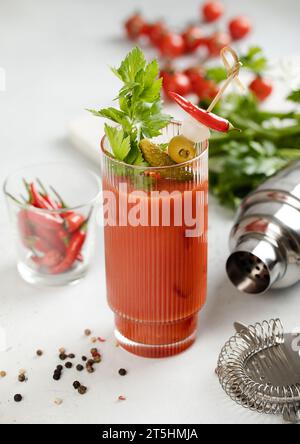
{"x":208,"y":119}
{"x":73,"y":249}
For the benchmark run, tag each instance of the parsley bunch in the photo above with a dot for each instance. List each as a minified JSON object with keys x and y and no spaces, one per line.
{"x":140,"y":108}
{"x":239,"y":162}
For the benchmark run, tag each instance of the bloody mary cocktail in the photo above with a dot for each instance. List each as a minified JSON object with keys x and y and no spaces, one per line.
{"x":156,"y":262}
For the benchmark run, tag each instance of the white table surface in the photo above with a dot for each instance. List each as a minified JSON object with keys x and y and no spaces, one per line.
{"x":55,"y":55}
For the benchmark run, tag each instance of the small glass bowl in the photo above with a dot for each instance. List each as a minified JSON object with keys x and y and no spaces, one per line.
{"x":54,"y":244}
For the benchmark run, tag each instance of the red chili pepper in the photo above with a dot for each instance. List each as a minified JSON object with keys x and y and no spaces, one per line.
{"x":56,"y":239}
{"x":73,"y":222}
{"x":46,"y":196}
{"x":37,"y":200}
{"x":46,"y":220}
{"x":208,"y":119}
{"x":50,"y":259}
{"x":79,"y":257}
{"x":38,"y":244}
{"x":73,"y":249}
{"x":25,"y":228}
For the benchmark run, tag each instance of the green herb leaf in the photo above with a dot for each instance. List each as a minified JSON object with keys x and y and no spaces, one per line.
{"x":140,"y":114}
{"x":254,"y":60}
{"x":217,"y":73}
{"x":119,"y":143}
{"x":294,"y":96}
{"x":134,"y":62}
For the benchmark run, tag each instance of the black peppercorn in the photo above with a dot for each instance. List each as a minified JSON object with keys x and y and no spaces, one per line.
{"x":76,"y":385}
{"x":62,"y":356}
{"x":59,"y":368}
{"x":122,"y":372}
{"x":68,"y":364}
{"x":71,"y":356}
{"x":79,"y":367}
{"x":22,"y":377}
{"x":56,"y":376}
{"x":82,"y":390}
{"x":18,"y":398}
{"x":84,"y":358}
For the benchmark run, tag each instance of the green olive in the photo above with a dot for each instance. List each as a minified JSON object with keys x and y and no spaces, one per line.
{"x":181,"y":149}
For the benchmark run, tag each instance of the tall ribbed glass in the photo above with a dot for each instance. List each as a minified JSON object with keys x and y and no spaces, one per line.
{"x":156,"y":250}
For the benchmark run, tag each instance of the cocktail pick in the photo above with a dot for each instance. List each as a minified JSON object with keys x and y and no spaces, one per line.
{"x":233,"y":71}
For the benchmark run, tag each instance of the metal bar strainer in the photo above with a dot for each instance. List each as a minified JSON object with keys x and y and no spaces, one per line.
{"x":259,"y":368}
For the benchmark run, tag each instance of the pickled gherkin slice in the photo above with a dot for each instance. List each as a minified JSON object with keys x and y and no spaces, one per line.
{"x":154,"y":155}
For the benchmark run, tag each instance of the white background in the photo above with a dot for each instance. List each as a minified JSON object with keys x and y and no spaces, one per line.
{"x":55,"y":55}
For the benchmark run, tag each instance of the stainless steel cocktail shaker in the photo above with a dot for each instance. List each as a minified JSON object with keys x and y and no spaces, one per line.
{"x":265,"y":240}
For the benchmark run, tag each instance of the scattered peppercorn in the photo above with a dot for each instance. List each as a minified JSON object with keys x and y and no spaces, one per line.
{"x":97,"y":358}
{"x":76,"y":385}
{"x":90,"y":368}
{"x":84,"y":358}
{"x":82,"y":390}
{"x":22,"y":377}
{"x":2,"y":374}
{"x":56,"y":376}
{"x":18,"y":398}
{"x":71,"y":356}
{"x":59,"y":368}
{"x":62,"y":356}
{"x":62,"y":351}
{"x":68,"y":364}
{"x":87,"y":332}
{"x":58,"y":401}
{"x":122,"y":372}
{"x":79,"y":367}
{"x":39,"y":352}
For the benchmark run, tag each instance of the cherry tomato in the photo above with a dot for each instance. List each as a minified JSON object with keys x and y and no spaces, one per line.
{"x":206,"y":89}
{"x":171,"y":45}
{"x":135,"y":26}
{"x":239,"y":27}
{"x":177,"y":82}
{"x":261,"y":88}
{"x":155,"y":32}
{"x":196,"y":75}
{"x":212,"y":11}
{"x":193,"y":38}
{"x":217,"y":42}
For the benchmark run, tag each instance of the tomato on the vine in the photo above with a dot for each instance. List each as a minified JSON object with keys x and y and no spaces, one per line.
{"x":261,"y":88}
{"x":239,"y":27}
{"x":135,"y":26}
{"x":212,"y":11}
{"x":156,"y":31}
{"x":193,"y":38}
{"x":196,"y":75}
{"x":171,"y":45}
{"x":217,"y":42}
{"x":177,"y":82}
